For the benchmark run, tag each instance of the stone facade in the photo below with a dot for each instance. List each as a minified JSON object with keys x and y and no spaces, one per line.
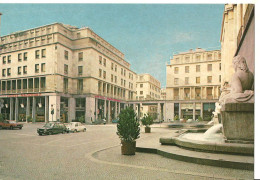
{"x":75,"y":69}
{"x":193,"y":83}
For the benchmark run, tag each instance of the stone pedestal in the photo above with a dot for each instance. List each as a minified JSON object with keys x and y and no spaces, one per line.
{"x":238,"y":122}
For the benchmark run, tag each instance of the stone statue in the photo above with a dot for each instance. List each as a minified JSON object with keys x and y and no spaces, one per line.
{"x":242,"y":84}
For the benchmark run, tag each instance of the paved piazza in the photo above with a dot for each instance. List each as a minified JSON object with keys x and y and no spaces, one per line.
{"x":94,"y":154}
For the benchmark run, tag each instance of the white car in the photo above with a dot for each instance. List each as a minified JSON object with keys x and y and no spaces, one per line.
{"x":75,"y":127}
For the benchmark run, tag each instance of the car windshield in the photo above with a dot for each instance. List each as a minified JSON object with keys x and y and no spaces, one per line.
{"x":48,"y":125}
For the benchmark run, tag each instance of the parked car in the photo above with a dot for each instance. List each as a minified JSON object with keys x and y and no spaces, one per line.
{"x":52,"y":128}
{"x":75,"y":127}
{"x":99,"y":121}
{"x":115,"y":120}
{"x":10,"y":125}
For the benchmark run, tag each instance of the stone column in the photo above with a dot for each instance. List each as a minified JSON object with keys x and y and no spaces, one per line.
{"x":28,"y":108}
{"x":71,"y":109}
{"x":194,"y":111}
{"x":90,"y":109}
{"x":46,"y":109}
{"x":54,"y":103}
{"x":159,"y":111}
{"x":164,"y":111}
{"x":34,"y":110}
{"x":119,"y":107}
{"x":16,"y":109}
{"x":213,"y":92}
{"x":96,"y":108}
{"x":108,"y":113}
{"x":180,"y":115}
{"x":105,"y":109}
{"x":11,"y":108}
{"x":116,"y":114}
{"x":201,"y":111}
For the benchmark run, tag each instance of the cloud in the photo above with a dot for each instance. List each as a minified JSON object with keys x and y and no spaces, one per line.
{"x":183,"y":37}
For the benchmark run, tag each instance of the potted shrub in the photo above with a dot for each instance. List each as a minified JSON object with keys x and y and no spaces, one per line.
{"x":147,"y":120}
{"x":128,"y":131}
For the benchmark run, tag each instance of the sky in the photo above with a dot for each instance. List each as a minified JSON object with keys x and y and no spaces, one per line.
{"x":148,"y":34}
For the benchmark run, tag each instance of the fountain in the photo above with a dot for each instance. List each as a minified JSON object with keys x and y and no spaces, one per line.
{"x":233,"y":130}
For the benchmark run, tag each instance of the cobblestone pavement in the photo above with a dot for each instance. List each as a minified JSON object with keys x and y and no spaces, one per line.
{"x":94,"y":154}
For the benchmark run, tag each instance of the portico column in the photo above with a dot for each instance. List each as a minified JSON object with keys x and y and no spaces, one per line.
{"x":34,"y":110}
{"x":180,"y":115}
{"x":116,"y":114}
{"x":159,"y":111}
{"x":194,"y":110}
{"x":11,"y":108}
{"x":16,"y":109}
{"x":119,"y":107}
{"x":201,"y":111}
{"x":96,"y":108}
{"x":46,"y":109}
{"x":105,"y":109}
{"x":108,"y":113}
{"x":28,"y":108}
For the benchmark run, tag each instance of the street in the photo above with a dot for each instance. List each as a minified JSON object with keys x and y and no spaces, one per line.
{"x":94,"y":154}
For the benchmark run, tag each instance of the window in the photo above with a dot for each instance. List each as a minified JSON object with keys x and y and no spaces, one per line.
{"x":197,"y":68}
{"x":112,"y":78}
{"x":187,"y":69}
{"x":115,"y":79}
{"x":36,"y":68}
{"x":104,"y":62}
{"x":209,"y":67}
{"x":104,"y":74}
{"x":81,"y":56}
{"x":80,"y":70}
{"x":100,"y":72}
{"x":19,"y":57}
{"x":25,"y":56}
{"x":219,"y":78}
{"x":141,"y":85}
{"x":43,"y":53}
{"x":3,"y":72}
{"x":100,"y":60}
{"x":121,"y":82}
{"x":19,"y":70}
{"x":8,"y":71}
{"x":124,"y":83}
{"x":177,"y":60}
{"x":66,"y":54}
{"x":4,"y":59}
{"x":187,"y":59}
{"x":176,"y":81}
{"x":24,"y":69}
{"x":122,"y":71}
{"x":197,"y":80}
{"x":78,"y":35}
{"x":43,"y":67}
{"x":112,"y":66}
{"x":198,"y":57}
{"x":176,"y":70}
{"x":186,"y":80}
{"x":219,"y":56}
{"x":220,"y":66}
{"x":209,"y":79}
{"x":65,"y":85}
{"x":116,"y":68}
{"x":209,"y":56}
{"x":66,"y":68}
{"x":141,"y":92}
{"x":9,"y":59}
{"x":80,"y":85}
{"x":37,"y":54}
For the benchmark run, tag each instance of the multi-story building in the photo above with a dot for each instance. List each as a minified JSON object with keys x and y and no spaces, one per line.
{"x":60,"y":72}
{"x":163,"y":94}
{"x":237,"y":38}
{"x":148,"y":88}
{"x":193,"y":84}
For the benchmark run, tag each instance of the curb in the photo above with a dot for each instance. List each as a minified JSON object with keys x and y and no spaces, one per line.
{"x":209,"y":162}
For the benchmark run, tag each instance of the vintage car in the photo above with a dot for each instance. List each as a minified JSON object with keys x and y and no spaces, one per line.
{"x":10,"y":125}
{"x":52,"y":128}
{"x":75,"y":127}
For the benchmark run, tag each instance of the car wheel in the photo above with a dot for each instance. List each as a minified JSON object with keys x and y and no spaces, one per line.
{"x":84,"y":130}
{"x":20,"y":127}
{"x":75,"y":131}
{"x":11,"y":127}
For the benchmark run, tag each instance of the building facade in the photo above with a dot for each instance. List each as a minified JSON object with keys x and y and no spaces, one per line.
{"x":148,"y":88}
{"x":193,"y":84}
{"x":163,"y":94}
{"x":237,"y":38}
{"x":61,"y":72}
